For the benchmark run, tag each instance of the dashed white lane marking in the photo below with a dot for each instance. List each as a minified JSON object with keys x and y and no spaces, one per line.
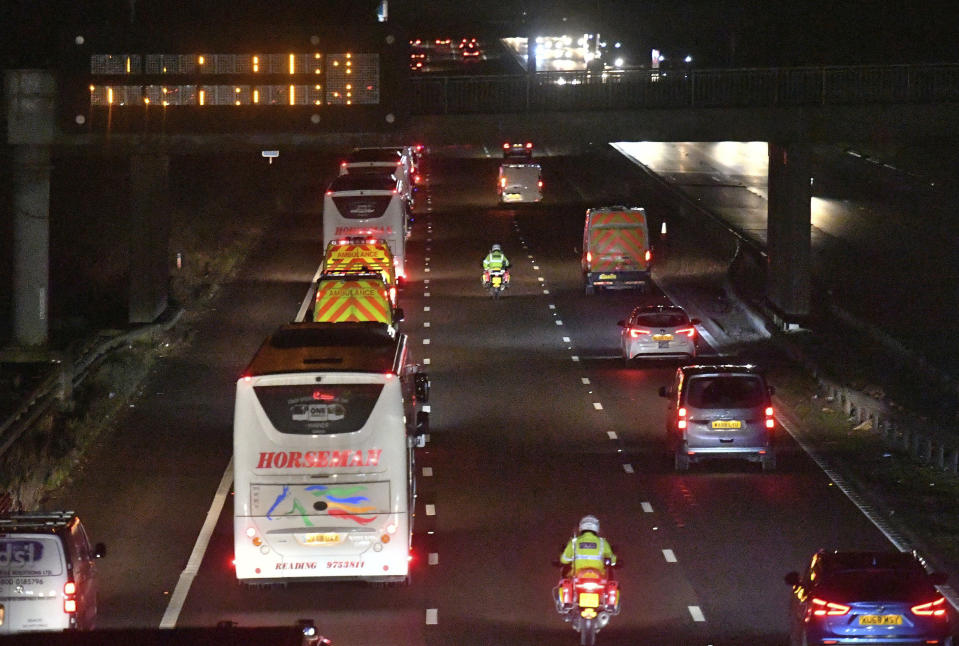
{"x":566,"y":339}
{"x":426,"y":281}
{"x":574,"y":358}
{"x":426,"y":323}
{"x":426,"y":361}
{"x":426,"y":308}
{"x":536,"y":267}
{"x":426,"y":294}
{"x":697,"y":613}
{"x":434,"y":558}
{"x":432,"y":616}
{"x":546,"y":291}
{"x":430,"y":510}
{"x":552,"y":307}
{"x":540,"y":278}
{"x":426,"y":341}
{"x":669,"y":556}
{"x":612,"y":435}
{"x":559,"y":322}
{"x":427,"y":472}
{"x":427,"y":270}
{"x":530,"y":256}
{"x":178,"y":598}
{"x":585,"y":380}
{"x":628,"y":468}
{"x":647,"y":508}
{"x":426,"y":259}
{"x":597,"y":406}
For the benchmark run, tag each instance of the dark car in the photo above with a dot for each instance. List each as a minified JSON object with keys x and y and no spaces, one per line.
{"x":864,"y":597}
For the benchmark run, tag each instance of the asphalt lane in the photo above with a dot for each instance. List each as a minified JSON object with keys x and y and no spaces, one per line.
{"x":535,"y":422}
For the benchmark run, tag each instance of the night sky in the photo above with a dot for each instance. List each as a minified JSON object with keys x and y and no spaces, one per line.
{"x":716,"y":32}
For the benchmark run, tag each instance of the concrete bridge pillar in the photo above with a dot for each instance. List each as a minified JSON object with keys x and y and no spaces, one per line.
{"x":788,"y":231}
{"x":30,"y":109}
{"x":149,"y":235}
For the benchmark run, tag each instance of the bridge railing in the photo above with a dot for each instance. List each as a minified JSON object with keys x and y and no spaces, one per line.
{"x":631,"y":89}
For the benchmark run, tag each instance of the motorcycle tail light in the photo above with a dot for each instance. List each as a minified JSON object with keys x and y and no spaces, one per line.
{"x":589,"y":586}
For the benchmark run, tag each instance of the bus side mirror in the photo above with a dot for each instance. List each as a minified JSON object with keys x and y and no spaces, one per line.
{"x":422,"y":386}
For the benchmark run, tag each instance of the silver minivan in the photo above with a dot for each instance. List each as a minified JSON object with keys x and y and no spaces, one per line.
{"x":720,"y":411}
{"x":47,"y":573}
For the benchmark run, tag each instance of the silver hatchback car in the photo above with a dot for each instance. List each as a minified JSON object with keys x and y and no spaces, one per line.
{"x":720,"y":411}
{"x":663,"y":331}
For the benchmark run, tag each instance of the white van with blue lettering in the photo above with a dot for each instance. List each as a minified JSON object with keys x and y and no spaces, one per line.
{"x":47,"y":573}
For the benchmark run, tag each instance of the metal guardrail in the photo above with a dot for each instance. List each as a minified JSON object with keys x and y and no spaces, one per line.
{"x":643,"y":88}
{"x":67,"y":374}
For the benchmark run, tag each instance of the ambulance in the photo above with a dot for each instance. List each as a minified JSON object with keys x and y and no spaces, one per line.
{"x":361,"y":255}
{"x":616,"y":251}
{"x":354,"y":298}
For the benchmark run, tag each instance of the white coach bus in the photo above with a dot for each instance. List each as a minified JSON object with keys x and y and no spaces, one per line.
{"x":326,"y":420}
{"x":368,"y":205}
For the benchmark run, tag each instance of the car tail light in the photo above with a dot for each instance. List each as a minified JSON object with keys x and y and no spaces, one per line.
{"x":688,"y":331}
{"x":681,"y":417}
{"x":770,"y":419}
{"x":823,"y":608}
{"x":529,"y":145}
{"x":636,"y":332}
{"x":506,"y":146}
{"x":935,"y":608}
{"x":502,"y":182}
{"x":649,"y":255}
{"x":589,"y":256}
{"x":69,"y":597}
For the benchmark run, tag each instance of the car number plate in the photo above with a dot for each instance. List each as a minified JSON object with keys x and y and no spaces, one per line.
{"x":662,"y":337}
{"x":727,"y":423}
{"x":607,"y":276}
{"x":327,"y":538}
{"x":880,"y":620}
{"x":588,"y":600}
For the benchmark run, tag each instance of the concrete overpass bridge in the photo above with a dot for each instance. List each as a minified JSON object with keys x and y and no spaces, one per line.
{"x":133,"y":110}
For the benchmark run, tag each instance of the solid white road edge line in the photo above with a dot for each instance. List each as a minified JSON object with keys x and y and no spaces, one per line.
{"x":199,"y":548}
{"x":697,"y":613}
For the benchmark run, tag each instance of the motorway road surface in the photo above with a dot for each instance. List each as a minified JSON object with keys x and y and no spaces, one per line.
{"x":535,"y":422}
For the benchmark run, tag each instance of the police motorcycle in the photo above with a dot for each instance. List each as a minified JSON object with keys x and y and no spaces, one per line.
{"x":587,"y":601}
{"x":496,"y":281}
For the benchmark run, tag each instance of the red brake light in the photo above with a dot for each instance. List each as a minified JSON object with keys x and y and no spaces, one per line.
{"x":649,"y":255}
{"x":539,"y":184}
{"x":688,"y":331}
{"x":822,"y":608}
{"x":636,"y":332}
{"x":681,"y":422}
{"x":935,"y":608}
{"x":506,"y":146}
{"x":770,"y":420}
{"x":329,"y":192}
{"x":529,"y":144}
{"x":69,"y":602}
{"x":590,"y":586}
